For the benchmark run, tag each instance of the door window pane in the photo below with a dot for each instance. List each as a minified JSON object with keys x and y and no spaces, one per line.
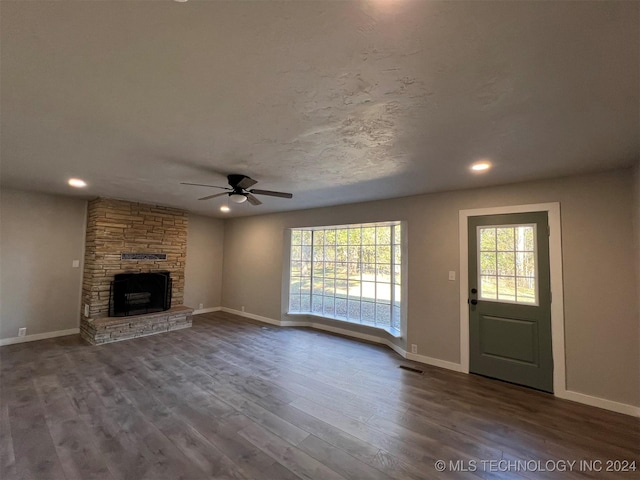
{"x":507,"y":263}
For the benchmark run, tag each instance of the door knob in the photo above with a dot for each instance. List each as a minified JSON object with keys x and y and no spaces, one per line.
{"x":474,"y":290}
{"x":474,"y":302}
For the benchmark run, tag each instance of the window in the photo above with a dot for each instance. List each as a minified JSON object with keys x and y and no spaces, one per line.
{"x":351,"y":273}
{"x":507,"y":263}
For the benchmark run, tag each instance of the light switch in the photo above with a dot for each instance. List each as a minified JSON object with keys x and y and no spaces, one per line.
{"x":75,"y":264}
{"x":452,"y":275}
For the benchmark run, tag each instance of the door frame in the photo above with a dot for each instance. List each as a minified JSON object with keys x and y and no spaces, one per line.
{"x":555,"y":264}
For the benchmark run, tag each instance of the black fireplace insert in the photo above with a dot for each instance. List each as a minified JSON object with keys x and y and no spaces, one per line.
{"x":138,"y":293}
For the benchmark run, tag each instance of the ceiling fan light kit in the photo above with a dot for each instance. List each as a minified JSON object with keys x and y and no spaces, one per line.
{"x":238,"y":190}
{"x":237,"y":197}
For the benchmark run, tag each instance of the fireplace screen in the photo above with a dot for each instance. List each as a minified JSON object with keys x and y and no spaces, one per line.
{"x":138,"y":293}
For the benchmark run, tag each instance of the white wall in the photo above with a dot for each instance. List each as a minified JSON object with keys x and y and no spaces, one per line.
{"x":600,"y":285}
{"x":203,"y":272}
{"x":40,"y":236}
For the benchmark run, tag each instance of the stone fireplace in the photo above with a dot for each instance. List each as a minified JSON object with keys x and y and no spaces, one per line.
{"x":125,"y":239}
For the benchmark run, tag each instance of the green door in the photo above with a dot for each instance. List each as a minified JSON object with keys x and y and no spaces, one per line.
{"x":510,"y":299}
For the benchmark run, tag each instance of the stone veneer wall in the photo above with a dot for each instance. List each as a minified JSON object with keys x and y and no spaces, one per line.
{"x":117,"y":226}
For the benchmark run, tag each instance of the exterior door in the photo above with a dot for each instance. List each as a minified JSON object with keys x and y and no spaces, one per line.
{"x":510,"y":299}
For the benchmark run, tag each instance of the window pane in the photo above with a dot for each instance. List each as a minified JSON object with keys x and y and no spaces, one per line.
{"x":342,"y":237}
{"x":341,"y":288}
{"x":341,"y":253}
{"x":507,"y":288}
{"x":354,"y":236}
{"x":341,"y":270}
{"x":306,"y":237}
{"x":354,"y":253}
{"x":329,"y":253}
{"x":296,"y":237}
{"x":505,"y":239}
{"x":329,"y":270}
{"x":296,"y":268}
{"x":506,"y":264}
{"x":369,"y":235}
{"x":329,"y":237}
{"x":354,"y":311}
{"x":488,"y":263}
{"x":354,"y":270}
{"x":525,"y":238}
{"x":488,"y":288}
{"x":341,"y":307}
{"x":397,"y":254}
{"x":306,"y":253}
{"x":368,"y":312}
{"x":525,"y":264}
{"x":294,"y":285}
{"x":354,"y":289}
{"x":383,"y":273}
{"x":368,"y":271}
{"x":397,"y":295}
{"x":487,"y":239}
{"x":395,"y":318}
{"x":383,"y":235}
{"x":383,"y":292}
{"x":305,"y":268}
{"x":294,"y":303}
{"x":305,"y":286}
{"x":526,"y":289}
{"x":318,"y":238}
{"x":318,"y":287}
{"x":383,"y":315}
{"x":316,"y":304}
{"x":329,"y":307}
{"x":329,"y":287}
{"x":318,"y":269}
{"x":296,"y":253}
{"x":369,"y":254}
{"x":305,"y":303}
{"x":383,"y":254}
{"x":369,"y":290}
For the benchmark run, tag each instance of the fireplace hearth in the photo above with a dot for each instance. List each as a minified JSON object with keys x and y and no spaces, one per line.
{"x":140,"y":293}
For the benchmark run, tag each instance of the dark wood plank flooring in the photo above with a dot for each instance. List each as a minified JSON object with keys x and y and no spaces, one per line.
{"x":233,"y":399}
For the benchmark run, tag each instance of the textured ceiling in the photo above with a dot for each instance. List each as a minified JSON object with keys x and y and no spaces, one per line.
{"x":335,"y":102}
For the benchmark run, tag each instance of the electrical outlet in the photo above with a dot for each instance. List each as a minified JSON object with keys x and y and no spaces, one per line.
{"x":200,"y":306}
{"x":75,"y":264}
{"x":414,"y":348}
{"x":22,"y":332}
{"x":452,"y":275}
{"x":86,"y":310}
{"x":242,"y":308}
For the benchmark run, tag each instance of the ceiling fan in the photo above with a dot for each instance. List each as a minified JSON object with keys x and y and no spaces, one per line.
{"x":239,"y":190}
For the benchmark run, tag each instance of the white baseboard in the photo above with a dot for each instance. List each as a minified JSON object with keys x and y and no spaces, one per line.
{"x":436,"y":362}
{"x":456,"y":367}
{"x":38,"y":336}
{"x":206,"y":310}
{"x":600,"y":402}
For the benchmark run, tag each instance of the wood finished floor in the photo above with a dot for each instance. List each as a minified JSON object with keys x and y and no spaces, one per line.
{"x":233,"y":399}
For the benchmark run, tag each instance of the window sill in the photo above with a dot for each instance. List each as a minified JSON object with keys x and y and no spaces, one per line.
{"x":391,"y":331}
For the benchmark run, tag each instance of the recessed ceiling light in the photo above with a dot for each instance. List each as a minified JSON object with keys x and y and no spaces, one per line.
{"x":76,"y":182}
{"x":180,"y":1}
{"x":224,"y":208}
{"x":481,"y":166}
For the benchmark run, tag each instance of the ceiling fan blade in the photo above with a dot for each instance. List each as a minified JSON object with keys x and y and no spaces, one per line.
{"x":253,"y":200}
{"x":246,"y":182}
{"x":202,"y":185}
{"x":213,"y":196}
{"x":271,"y":193}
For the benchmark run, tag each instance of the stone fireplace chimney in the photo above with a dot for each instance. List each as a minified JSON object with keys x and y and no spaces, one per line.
{"x":126,"y":237}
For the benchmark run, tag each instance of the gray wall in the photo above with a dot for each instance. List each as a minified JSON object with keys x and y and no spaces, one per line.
{"x":203,"y":272}
{"x":601,"y":317}
{"x":40,"y":236}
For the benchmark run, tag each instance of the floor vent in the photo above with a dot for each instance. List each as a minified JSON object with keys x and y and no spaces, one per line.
{"x":411,"y":369}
